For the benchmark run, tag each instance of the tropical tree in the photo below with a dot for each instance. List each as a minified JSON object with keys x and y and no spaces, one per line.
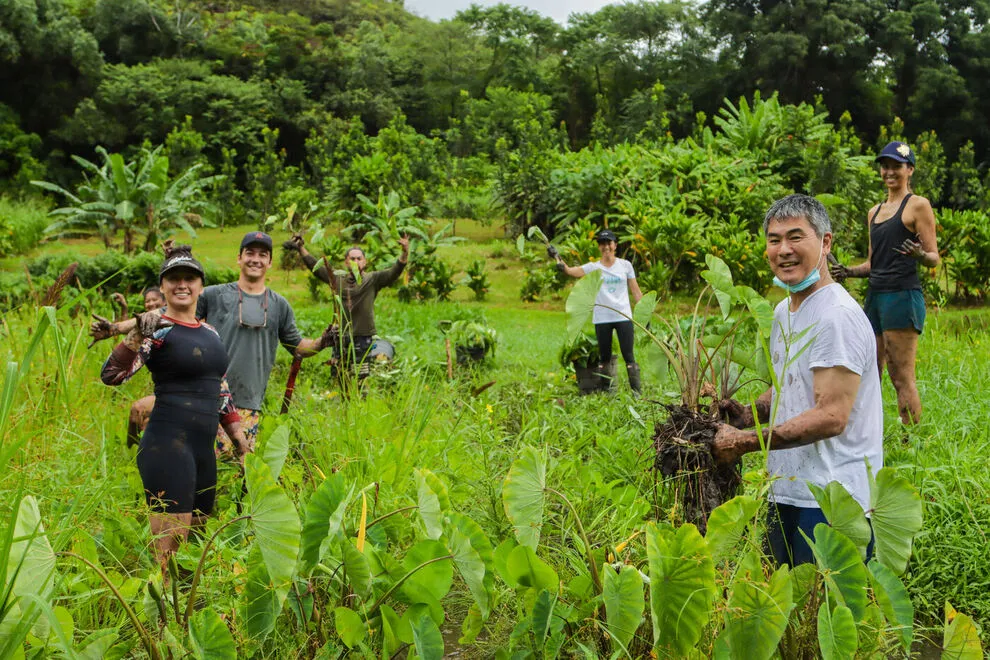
{"x":136,"y":198}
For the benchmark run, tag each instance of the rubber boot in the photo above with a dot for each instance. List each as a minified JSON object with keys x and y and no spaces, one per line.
{"x":602,"y":379}
{"x":632,"y":370}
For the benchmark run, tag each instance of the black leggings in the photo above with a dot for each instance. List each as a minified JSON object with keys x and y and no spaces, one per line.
{"x":177,"y":461}
{"x":624,"y":329}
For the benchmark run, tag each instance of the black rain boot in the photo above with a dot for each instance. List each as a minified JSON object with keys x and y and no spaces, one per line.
{"x":632,"y":370}
{"x":601,"y":375}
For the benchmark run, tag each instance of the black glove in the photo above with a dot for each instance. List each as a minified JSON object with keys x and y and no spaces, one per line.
{"x":149,"y":322}
{"x":552,"y":252}
{"x":561,"y":266}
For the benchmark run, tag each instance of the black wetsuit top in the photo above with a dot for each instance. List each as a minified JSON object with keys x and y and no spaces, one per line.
{"x":889,"y":269}
{"x":176,"y":456}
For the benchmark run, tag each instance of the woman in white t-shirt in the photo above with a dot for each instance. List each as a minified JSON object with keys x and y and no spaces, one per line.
{"x":612,"y":308}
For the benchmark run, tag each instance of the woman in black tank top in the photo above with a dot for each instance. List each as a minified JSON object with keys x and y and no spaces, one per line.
{"x":902,"y":238}
{"x":188,"y":363}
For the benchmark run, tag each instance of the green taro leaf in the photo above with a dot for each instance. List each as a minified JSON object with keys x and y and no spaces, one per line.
{"x":896,"y":509}
{"x":643,"y":312}
{"x":471,"y":627}
{"x":804,"y":578}
{"x":837,"y":636}
{"x":427,"y":637}
{"x":523,"y":495}
{"x":500,"y":558}
{"x":581,"y":303}
{"x":682,"y":586}
{"x":275,"y":522}
{"x":527,"y":570}
{"x":209,"y":637}
{"x":542,"y":617}
{"x":624,"y":603}
{"x":97,"y":646}
{"x":30,"y":557}
{"x":727,"y":523}
{"x":720,"y":277}
{"x":844,"y":514}
{"x":434,"y":579}
{"x":894,"y":601}
{"x":521,"y":244}
{"x":350,"y":627}
{"x":536,"y":232}
{"x":324,"y":514}
{"x":840,"y":564}
{"x":433,"y":502}
{"x":276,"y":449}
{"x":390,"y":632}
{"x":472,"y":552}
{"x":259,"y":605}
{"x":356,"y":567}
{"x":757,"y":614}
{"x":961,"y":640}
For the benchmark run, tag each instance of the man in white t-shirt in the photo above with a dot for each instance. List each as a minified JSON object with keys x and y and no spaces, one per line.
{"x":613,"y":311}
{"x":830,"y":414}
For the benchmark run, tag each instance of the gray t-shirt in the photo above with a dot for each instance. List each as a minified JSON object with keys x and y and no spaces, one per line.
{"x":251,"y":327}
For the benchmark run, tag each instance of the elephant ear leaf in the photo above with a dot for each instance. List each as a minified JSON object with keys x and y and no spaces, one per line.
{"x":581,"y":303}
{"x":896,"y":508}
{"x":523,"y":495}
{"x":623,"y":597}
{"x":209,"y":636}
{"x":275,"y":522}
{"x":961,"y":640}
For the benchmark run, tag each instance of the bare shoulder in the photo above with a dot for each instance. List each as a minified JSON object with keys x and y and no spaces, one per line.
{"x":872,"y":212}
{"x":919,"y":203}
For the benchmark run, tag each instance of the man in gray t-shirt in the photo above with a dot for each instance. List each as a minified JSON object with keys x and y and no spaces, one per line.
{"x":252,"y":321}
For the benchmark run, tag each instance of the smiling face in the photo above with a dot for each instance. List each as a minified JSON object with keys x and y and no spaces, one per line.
{"x":181,"y":288}
{"x":356,"y":257}
{"x":153,"y":300}
{"x":895,"y":174}
{"x":794,"y":250}
{"x":254,"y":262}
{"x":607,"y":248}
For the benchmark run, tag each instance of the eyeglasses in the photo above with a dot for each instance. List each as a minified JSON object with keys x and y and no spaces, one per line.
{"x":240,"y":311}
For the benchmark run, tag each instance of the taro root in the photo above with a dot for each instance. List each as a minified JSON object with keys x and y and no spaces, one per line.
{"x":683,"y":445}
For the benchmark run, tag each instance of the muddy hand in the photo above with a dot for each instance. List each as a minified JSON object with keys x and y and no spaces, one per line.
{"x":294,"y":243}
{"x":149,"y":322}
{"x":733,"y":413}
{"x":330,"y":336}
{"x":100,"y":329}
{"x":911,"y":249}
{"x":839,"y":272}
{"x":552,"y":252}
{"x":727,"y":447}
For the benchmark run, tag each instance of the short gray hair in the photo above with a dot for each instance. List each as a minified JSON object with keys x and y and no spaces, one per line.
{"x":800,"y":206}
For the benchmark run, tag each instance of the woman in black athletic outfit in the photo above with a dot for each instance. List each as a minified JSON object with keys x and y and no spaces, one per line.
{"x":187,"y":361}
{"x":902,"y":235}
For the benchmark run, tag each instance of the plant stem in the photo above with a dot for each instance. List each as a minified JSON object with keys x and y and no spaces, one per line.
{"x":149,"y":644}
{"x":389,"y":514}
{"x":202,"y":561}
{"x":378,"y":603}
{"x":595,"y":577}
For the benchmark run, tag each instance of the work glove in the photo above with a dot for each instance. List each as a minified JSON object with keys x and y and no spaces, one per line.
{"x":147,"y":324}
{"x":561,"y":266}
{"x":330,"y":337}
{"x":294,"y":243}
{"x":552,"y":252}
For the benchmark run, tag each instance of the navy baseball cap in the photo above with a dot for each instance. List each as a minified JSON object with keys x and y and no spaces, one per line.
{"x":896,"y":151}
{"x":606,"y":235}
{"x":256,"y":238}
{"x":180,"y":259}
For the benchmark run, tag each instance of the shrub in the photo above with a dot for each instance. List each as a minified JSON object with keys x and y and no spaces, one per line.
{"x":476,"y":279}
{"x":22,"y":225}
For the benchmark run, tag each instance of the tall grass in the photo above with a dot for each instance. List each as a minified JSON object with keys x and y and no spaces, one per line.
{"x":22,"y":224}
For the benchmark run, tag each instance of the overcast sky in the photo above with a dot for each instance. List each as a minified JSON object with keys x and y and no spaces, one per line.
{"x":558,"y":10}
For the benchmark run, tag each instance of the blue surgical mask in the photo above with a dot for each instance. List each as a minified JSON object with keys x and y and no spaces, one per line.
{"x":813,"y":277}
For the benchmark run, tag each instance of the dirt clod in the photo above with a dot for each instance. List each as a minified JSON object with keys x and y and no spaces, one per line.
{"x":684,"y":457}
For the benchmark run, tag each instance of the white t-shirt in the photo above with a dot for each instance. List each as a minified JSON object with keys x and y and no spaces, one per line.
{"x":614,"y":292}
{"x":840,"y":335}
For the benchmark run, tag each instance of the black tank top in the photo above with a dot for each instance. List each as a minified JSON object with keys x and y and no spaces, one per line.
{"x":889,"y":269}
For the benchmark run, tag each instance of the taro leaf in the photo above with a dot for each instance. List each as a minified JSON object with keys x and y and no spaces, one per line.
{"x":804,"y":578}
{"x":682,"y":586}
{"x":260,"y":604}
{"x":275,"y":522}
{"x":759,"y":308}
{"x":427,"y":637}
{"x":727,"y":523}
{"x":324,"y":514}
{"x":841,"y":566}
{"x":97,"y":646}
{"x":433,"y":579}
{"x":581,"y":303}
{"x":471,"y":627}
{"x":500,"y":558}
{"x":720,"y":277}
{"x":896,"y":508}
{"x":276,"y":449}
{"x":413,"y":613}
{"x":356,"y":567}
{"x":538,"y":233}
{"x":624,"y":603}
{"x":961,"y":640}
{"x":433,"y":502}
{"x":30,"y":557}
{"x":521,"y":245}
{"x":523,"y":495}
{"x":837,"y":636}
{"x":643,"y":313}
{"x":844,"y":514}
{"x":894,"y":601}
{"x":390,"y":631}
{"x":527,"y":570}
{"x":209,"y":637}
{"x":472,"y":552}
{"x":543,"y":615}
{"x":350,"y":627}
{"x":757,"y":614}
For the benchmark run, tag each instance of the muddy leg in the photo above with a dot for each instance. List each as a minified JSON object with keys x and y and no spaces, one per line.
{"x":902,"y":352}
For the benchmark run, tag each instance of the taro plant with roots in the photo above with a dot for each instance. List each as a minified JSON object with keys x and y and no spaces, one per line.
{"x":703,"y":355}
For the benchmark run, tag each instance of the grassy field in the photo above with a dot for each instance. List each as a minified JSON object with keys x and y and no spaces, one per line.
{"x":63,"y":444}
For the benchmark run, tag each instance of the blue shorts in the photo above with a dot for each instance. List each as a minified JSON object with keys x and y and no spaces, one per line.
{"x":895,"y":310}
{"x":786,"y":544}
